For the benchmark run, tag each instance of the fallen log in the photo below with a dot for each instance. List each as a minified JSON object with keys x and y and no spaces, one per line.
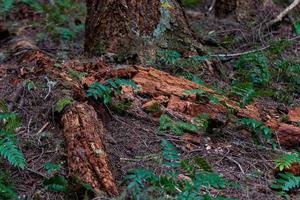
{"x":83,"y":132}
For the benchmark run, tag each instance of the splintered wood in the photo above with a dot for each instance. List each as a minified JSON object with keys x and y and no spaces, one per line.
{"x":83,"y":132}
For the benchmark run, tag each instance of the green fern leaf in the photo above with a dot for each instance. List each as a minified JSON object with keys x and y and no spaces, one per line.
{"x":286,"y":160}
{"x":6,"y":192}
{"x":56,"y":184}
{"x":287,"y":182}
{"x":170,"y":154}
{"x":10,"y":151}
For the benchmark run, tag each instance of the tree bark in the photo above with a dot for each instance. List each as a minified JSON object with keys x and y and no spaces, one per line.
{"x":133,"y":27}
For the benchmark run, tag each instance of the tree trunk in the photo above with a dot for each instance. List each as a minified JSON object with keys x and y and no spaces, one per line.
{"x":135,"y":27}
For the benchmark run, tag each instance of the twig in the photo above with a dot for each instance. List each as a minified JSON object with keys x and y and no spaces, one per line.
{"x":283,"y":13}
{"x":212,"y":5}
{"x":237,"y":163}
{"x":43,"y":128}
{"x":35,"y":172}
{"x":248,"y":52}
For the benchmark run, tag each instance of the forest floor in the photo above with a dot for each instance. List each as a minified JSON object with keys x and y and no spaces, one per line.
{"x":132,"y":141}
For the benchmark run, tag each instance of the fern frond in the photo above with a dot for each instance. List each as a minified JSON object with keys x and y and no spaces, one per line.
{"x":286,"y":160}
{"x":170,"y":154}
{"x":6,"y":192}
{"x":245,"y":92}
{"x":178,"y":128}
{"x":56,"y":184}
{"x":287,"y":182}
{"x":10,"y":151}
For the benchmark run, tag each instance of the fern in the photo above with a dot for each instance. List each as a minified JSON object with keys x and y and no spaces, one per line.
{"x":245,"y":92}
{"x":259,"y":129}
{"x":201,"y":93}
{"x":10,"y":151}
{"x":170,"y":154}
{"x":201,"y":121}
{"x":286,"y":160}
{"x":8,"y":142}
{"x":6,"y":186}
{"x":287,"y":182}
{"x":62,"y":103}
{"x":184,"y":182}
{"x":56,"y":184}
{"x":254,"y":68}
{"x":52,"y":168}
{"x":178,"y":128}
{"x":98,"y":90}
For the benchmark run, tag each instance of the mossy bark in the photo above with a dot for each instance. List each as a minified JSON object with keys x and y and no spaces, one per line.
{"x":132,"y":27}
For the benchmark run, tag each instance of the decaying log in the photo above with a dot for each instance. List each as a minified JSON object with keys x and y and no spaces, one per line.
{"x":294,"y":115}
{"x":83,"y":132}
{"x":289,"y":135}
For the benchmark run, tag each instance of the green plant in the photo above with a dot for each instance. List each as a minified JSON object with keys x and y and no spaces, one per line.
{"x":8,"y":142}
{"x":285,"y":161}
{"x":297,"y":27}
{"x":170,"y":154}
{"x":288,"y":71}
{"x":286,"y":182}
{"x":201,"y":121}
{"x":177,"y":128}
{"x":278,"y":47}
{"x":56,"y":184}
{"x":190,"y":3}
{"x":245,"y":92}
{"x":62,"y":103}
{"x":258,"y":129}
{"x":29,"y":85}
{"x":201,"y":93}
{"x":52,"y":168}
{"x":184,"y":180}
{"x":6,"y":186}
{"x":253,"y":68}
{"x":76,"y":74}
{"x":98,"y":90}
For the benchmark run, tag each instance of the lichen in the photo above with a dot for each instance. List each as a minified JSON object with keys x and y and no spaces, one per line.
{"x":165,"y":19}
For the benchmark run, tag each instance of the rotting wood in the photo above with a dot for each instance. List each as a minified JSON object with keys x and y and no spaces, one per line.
{"x":83,"y":132}
{"x":155,"y":83}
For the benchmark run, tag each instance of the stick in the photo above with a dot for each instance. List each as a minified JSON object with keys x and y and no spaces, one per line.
{"x":283,"y":13}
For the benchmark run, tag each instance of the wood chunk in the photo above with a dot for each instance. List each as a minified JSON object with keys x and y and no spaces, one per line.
{"x":83,"y":132}
{"x":294,"y":115}
{"x":289,"y":135}
{"x":155,"y":82}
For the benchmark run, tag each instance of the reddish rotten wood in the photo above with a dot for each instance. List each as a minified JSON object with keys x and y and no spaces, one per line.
{"x":83,"y":132}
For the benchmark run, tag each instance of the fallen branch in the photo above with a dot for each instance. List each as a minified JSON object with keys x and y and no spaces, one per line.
{"x":281,"y":15}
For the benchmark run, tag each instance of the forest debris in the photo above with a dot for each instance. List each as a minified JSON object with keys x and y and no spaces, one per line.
{"x":155,"y":82}
{"x":195,"y":139}
{"x":83,"y":132}
{"x":294,"y":115}
{"x":176,"y":104}
{"x":289,"y":135}
{"x":281,"y":15}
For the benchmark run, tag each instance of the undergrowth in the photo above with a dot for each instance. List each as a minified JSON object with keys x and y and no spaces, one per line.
{"x":286,"y":182}
{"x":188,"y":179}
{"x":9,"y":149}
